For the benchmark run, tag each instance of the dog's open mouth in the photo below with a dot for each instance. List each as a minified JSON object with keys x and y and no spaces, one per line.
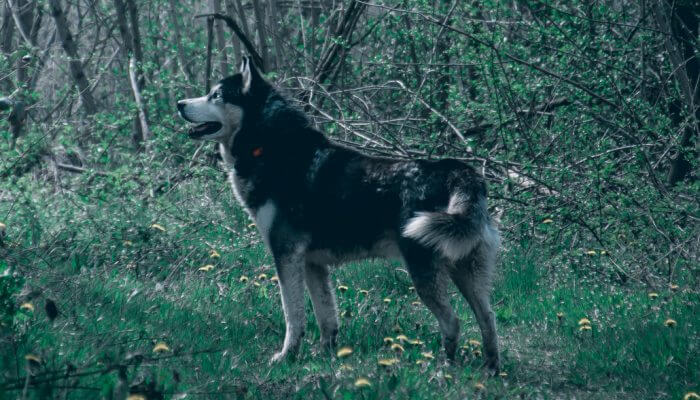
{"x":203,"y":129}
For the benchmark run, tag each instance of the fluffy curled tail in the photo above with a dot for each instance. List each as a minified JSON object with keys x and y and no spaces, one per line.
{"x":456,"y":231}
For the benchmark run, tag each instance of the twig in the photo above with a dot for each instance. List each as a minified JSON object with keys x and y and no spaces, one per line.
{"x":237,"y":30}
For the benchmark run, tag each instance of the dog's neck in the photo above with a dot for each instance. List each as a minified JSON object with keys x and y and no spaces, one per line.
{"x":225,"y":150}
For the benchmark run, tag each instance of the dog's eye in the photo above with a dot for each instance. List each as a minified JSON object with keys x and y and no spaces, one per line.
{"x":215,"y":96}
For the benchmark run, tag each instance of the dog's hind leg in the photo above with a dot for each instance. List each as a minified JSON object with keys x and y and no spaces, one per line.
{"x":323,"y":298}
{"x":290,"y":269}
{"x":430,"y":283}
{"x":473,"y":277}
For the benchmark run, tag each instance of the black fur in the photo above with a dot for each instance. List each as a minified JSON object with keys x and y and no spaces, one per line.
{"x":319,"y":203}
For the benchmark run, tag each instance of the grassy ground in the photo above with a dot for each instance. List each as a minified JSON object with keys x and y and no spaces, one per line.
{"x":123,"y":285}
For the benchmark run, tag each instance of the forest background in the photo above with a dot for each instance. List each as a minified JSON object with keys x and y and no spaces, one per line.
{"x":126,"y":266}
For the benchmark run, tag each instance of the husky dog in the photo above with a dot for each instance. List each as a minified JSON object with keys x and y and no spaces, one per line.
{"x":318,"y":204}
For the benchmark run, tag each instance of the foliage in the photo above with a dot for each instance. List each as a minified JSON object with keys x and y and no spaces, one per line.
{"x":573,"y":112}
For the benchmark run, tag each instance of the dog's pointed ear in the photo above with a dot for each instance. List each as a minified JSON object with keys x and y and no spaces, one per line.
{"x":250,"y":74}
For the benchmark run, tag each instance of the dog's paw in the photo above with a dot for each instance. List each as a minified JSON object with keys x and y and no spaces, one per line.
{"x":278,"y":357}
{"x":492,"y":367}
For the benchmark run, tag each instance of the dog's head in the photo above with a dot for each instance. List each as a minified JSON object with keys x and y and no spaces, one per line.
{"x":219,"y":115}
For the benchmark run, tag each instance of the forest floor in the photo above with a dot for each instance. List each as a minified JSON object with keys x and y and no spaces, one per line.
{"x":174,"y":295}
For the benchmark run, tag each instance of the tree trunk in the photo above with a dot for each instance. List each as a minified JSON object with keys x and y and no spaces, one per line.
{"x":215,"y":5}
{"x":182,"y":58}
{"x":681,"y":44}
{"x":71,"y":49}
{"x":231,"y":11}
{"x":259,"y":10}
{"x":6,"y":35}
{"x":136,"y":40}
{"x":143,"y":116}
{"x":131,"y":54}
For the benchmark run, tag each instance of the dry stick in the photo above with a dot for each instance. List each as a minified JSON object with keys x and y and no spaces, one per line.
{"x":237,"y":30}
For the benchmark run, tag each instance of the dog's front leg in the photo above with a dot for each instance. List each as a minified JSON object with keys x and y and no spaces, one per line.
{"x":290,"y":269}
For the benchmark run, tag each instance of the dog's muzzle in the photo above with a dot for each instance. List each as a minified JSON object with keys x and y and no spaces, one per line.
{"x":200,"y":129}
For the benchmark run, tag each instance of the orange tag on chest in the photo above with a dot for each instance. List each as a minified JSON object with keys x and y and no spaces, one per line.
{"x":257,"y":152}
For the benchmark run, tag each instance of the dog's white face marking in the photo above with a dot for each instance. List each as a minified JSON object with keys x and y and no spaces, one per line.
{"x":206,"y":111}
{"x":265,"y":217}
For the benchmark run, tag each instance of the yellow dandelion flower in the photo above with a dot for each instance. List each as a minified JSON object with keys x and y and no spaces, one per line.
{"x":674,"y":287}
{"x":591,"y":253}
{"x":560,"y":315}
{"x":653,"y":295}
{"x":27,"y":307}
{"x":275,"y":278}
{"x":584,"y":321}
{"x":243,"y":279}
{"x":428,"y":354}
{"x":251,"y":226}
{"x":362,"y":382}
{"x":387,"y":300}
{"x":503,"y":374}
{"x":584,"y":328}
{"x":670,"y":323}
{"x":33,"y":358}
{"x":136,"y":397}
{"x":206,"y":268}
{"x":262,"y":277}
{"x":415,"y":303}
{"x":416,"y":342}
{"x":448,"y":377}
{"x":343,"y":288}
{"x":388,"y":340}
{"x":474,"y":343}
{"x":128,"y":243}
{"x":345,"y":367}
{"x":603,"y":252}
{"x":160,"y":347}
{"x":476,"y":352}
{"x":214,"y":254}
{"x":344,"y":352}
{"x":2,"y":227}
{"x":411,"y":288}
{"x":388,"y":362}
{"x":397,"y":347}
{"x":402,"y":338}
{"x":691,"y":396}
{"x":158,"y":227}
{"x":421,"y":362}
{"x":479,"y":386}
{"x":365,"y":292}
{"x":256,"y":284}
{"x":548,"y":221}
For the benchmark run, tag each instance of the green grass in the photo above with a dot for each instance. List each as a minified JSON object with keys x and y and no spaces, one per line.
{"x":122,"y":286}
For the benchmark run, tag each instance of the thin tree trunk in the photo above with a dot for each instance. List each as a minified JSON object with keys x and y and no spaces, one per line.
{"x":140,"y":130}
{"x":259,"y":10}
{"x":182,"y":58}
{"x":220,"y":38}
{"x":71,"y":49}
{"x":6,"y":36}
{"x":210,"y":41}
{"x":231,"y":11}
{"x":136,"y":40}
{"x":680,"y":43}
{"x":143,"y":115}
{"x":275,"y":20}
